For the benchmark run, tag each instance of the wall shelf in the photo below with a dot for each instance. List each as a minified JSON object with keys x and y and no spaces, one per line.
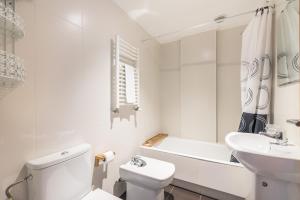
{"x":12,"y":71}
{"x":12,"y":23}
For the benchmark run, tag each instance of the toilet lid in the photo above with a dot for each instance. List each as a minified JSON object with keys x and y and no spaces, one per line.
{"x":100,"y":195}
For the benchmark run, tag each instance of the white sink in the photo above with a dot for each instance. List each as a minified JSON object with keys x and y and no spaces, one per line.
{"x":276,"y":167}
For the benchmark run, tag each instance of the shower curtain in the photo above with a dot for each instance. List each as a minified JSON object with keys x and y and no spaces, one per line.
{"x":256,"y":72}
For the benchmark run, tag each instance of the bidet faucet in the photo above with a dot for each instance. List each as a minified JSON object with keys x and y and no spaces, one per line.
{"x":138,"y":161}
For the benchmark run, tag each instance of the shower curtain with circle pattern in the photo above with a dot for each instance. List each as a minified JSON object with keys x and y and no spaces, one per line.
{"x":256,"y":72}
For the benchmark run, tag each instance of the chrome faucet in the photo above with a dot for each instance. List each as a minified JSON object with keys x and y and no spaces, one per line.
{"x":138,"y":161}
{"x":282,"y":142}
{"x":276,"y":133}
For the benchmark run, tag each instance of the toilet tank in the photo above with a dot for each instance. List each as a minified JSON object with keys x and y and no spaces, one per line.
{"x":66,"y":175}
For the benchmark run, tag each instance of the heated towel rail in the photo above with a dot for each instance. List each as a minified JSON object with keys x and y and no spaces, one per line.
{"x":124,"y":54}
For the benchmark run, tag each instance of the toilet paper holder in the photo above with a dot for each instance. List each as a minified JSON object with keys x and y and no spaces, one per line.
{"x":100,"y":158}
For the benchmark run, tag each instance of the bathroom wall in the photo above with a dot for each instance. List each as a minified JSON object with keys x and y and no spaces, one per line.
{"x":286,"y":106}
{"x":65,"y":99}
{"x":194,"y":93}
{"x":229,"y":44}
{"x":198,"y":86}
{"x":188,"y":92}
{"x":170,"y":101}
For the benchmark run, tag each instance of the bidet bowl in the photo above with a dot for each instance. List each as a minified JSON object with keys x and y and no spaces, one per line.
{"x":156,"y":174}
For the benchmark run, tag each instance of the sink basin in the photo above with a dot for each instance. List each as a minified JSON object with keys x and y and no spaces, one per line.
{"x":261,"y":157}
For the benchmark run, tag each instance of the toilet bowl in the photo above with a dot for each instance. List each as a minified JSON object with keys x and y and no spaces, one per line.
{"x":146,"y":178}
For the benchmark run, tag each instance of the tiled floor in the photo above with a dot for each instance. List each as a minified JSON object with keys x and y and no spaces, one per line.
{"x":182,"y":194}
{"x":176,"y":193}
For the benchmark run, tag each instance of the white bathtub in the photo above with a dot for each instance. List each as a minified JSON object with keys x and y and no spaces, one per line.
{"x":204,"y":164}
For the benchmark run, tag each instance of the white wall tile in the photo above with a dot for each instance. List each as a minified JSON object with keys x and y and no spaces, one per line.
{"x":286,"y":106}
{"x":188,"y":94}
{"x":170,"y":55}
{"x":198,"y":86}
{"x":170,"y":102}
{"x":229,"y":45}
{"x":228,"y":100}
{"x":198,"y":102}
{"x":200,"y":48}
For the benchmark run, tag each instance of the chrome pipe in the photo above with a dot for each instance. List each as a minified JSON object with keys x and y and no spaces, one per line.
{"x":8,"y":189}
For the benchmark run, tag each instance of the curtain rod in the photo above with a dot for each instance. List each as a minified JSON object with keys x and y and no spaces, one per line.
{"x":217,"y":20}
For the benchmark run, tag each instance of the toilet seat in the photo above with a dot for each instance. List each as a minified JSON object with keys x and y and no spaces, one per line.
{"x":100,"y":195}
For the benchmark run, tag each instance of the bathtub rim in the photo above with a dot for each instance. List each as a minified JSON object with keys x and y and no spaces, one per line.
{"x":227,"y":163}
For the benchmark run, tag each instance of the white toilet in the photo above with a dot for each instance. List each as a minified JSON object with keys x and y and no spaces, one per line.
{"x":66,"y":175}
{"x":146,"y":178}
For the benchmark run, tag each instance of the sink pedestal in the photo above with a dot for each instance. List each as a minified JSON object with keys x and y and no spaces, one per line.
{"x":271,"y":189}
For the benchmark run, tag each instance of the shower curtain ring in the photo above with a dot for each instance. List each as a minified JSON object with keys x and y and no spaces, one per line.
{"x":256,"y":12}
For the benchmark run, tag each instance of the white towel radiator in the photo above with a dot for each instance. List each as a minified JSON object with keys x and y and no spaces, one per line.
{"x":124,"y":54}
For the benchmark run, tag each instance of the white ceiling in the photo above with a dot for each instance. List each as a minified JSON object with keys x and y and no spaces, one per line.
{"x":158,"y":17}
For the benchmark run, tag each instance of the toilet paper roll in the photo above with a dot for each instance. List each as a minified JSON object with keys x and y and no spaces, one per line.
{"x":109,"y":156}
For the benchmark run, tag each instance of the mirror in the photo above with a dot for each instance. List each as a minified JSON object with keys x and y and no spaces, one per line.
{"x":288,"y":43}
